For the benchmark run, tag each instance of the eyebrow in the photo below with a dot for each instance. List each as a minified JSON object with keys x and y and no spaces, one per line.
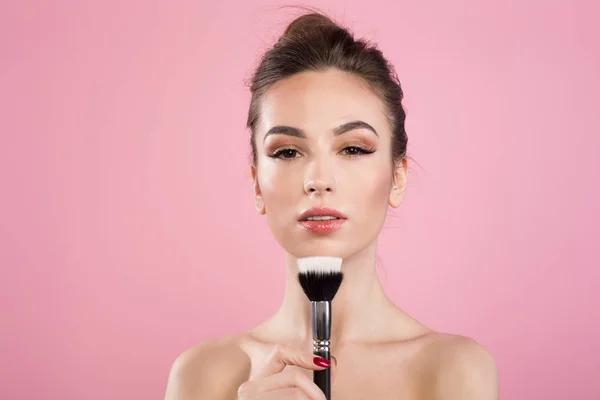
{"x":291,"y":131}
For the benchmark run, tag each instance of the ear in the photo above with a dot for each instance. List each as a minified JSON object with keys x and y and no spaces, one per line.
{"x":399,"y":183}
{"x":259,"y":203}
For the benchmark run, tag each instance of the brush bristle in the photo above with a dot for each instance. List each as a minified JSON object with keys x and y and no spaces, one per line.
{"x":320,"y":277}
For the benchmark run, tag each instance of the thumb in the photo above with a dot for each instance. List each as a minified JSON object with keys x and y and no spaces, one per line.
{"x":283,"y":355}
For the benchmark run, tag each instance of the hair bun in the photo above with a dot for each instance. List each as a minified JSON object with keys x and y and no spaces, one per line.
{"x":305,"y":23}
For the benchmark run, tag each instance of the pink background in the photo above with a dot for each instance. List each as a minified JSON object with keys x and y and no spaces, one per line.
{"x":128,"y":232}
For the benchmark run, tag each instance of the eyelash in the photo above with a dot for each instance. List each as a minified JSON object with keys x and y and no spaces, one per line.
{"x":278,"y":154}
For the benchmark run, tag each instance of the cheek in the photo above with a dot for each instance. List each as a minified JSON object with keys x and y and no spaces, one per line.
{"x":375,"y":199}
{"x":276,"y":187}
{"x":371,"y":186}
{"x":379,"y":192}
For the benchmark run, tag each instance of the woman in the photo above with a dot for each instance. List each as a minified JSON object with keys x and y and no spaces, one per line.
{"x":328,"y":138}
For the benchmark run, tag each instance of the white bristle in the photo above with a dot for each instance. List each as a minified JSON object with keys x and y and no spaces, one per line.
{"x":320,"y":264}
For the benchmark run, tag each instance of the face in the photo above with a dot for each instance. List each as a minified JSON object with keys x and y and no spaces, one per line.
{"x":323,"y":140}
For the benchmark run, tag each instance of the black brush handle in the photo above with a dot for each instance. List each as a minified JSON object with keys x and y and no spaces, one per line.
{"x":321,"y":329}
{"x":323,"y":378}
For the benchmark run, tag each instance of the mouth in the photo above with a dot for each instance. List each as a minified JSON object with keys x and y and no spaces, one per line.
{"x":321,"y":214}
{"x":322,"y":220}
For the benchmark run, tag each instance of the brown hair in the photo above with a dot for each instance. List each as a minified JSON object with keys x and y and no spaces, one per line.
{"x":313,"y":42}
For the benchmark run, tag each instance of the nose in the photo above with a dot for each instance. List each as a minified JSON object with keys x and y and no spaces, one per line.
{"x":319,"y":178}
{"x":317,"y":187}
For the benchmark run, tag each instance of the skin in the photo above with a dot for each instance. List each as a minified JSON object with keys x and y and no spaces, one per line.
{"x":380,"y":351}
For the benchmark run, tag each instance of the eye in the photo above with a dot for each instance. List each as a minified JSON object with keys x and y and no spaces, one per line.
{"x":286,"y":154}
{"x":354,"y":151}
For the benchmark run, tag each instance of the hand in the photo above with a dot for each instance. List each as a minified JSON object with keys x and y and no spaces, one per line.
{"x":273,"y":383}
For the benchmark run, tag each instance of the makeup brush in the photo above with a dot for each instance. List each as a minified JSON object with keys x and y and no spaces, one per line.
{"x":320,"y":278}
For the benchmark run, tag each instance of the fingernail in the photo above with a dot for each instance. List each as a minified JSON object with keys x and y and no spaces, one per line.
{"x":321,"y":362}
{"x":334,"y":360}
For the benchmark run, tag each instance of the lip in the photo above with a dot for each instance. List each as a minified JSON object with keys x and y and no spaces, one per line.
{"x":322,"y":227}
{"x":319,"y":212}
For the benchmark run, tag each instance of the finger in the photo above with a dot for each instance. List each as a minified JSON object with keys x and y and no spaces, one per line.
{"x":281,"y":394}
{"x":289,"y":379}
{"x":288,"y":393}
{"x":283,"y":355}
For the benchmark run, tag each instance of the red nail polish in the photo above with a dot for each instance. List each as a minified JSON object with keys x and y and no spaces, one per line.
{"x":321,"y":362}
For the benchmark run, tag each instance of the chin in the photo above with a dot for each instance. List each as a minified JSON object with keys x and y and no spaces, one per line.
{"x":321,"y":247}
{"x":299,"y":243}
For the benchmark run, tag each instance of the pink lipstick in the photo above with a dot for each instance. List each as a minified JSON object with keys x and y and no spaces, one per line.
{"x":321,"y":220}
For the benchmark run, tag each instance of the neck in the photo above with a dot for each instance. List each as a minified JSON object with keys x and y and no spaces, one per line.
{"x":360,"y":308}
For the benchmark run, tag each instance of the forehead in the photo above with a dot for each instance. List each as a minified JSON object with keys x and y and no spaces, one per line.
{"x":317,"y":101}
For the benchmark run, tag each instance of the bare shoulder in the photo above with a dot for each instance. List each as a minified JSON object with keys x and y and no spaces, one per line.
{"x":462,"y":368}
{"x":210,"y":370}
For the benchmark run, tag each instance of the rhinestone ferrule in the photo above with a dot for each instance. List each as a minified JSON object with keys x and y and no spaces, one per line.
{"x":321,"y":345}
